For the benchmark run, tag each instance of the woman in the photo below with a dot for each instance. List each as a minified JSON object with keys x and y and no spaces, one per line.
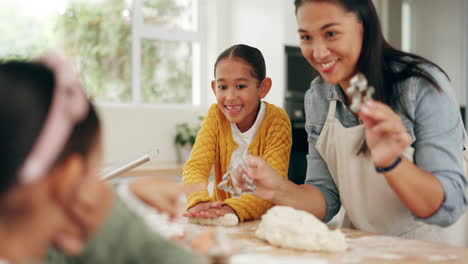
{"x":397,"y":165}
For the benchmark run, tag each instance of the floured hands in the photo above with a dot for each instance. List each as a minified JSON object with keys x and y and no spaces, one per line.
{"x":209,"y":210}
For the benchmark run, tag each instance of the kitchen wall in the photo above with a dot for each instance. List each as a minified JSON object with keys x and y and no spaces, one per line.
{"x":438,"y":33}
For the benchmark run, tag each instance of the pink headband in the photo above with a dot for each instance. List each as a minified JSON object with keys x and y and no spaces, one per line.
{"x":69,"y":106}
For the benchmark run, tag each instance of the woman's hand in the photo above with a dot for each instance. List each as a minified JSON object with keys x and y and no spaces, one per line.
{"x":267,"y":181}
{"x":386,"y":136}
{"x":161,"y":193}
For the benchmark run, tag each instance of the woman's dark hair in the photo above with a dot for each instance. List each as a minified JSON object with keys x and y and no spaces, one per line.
{"x":377,"y":57}
{"x":251,"y":55}
{"x":26,"y":91}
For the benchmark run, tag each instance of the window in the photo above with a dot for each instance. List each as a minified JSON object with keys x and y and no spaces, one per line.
{"x":140,"y":51}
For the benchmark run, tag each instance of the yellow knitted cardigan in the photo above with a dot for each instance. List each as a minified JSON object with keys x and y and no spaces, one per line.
{"x":215,"y":144}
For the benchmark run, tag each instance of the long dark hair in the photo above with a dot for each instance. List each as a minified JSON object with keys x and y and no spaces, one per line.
{"x":26,"y":91}
{"x":378,"y":57}
{"x":251,"y":55}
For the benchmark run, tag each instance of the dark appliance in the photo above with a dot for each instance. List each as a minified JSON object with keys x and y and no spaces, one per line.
{"x":299,"y":74}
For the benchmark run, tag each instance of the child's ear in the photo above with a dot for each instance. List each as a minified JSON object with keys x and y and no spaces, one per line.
{"x":213,"y":86}
{"x":65,"y":178}
{"x":265,"y":87}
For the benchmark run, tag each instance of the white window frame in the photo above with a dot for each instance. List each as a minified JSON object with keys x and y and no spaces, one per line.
{"x":157,"y":32}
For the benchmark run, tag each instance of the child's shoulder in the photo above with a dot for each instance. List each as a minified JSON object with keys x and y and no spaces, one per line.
{"x":214,"y":111}
{"x":215,"y":116}
{"x":275,"y":113}
{"x":272,"y":109}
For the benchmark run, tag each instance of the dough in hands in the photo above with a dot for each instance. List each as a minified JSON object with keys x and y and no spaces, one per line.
{"x":225,"y":220}
{"x":290,"y":228}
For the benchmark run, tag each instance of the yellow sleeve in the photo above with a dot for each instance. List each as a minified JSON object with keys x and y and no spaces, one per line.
{"x":278,"y":142}
{"x":198,"y":167}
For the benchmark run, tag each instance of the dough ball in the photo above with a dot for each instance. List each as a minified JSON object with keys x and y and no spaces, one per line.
{"x":290,"y":228}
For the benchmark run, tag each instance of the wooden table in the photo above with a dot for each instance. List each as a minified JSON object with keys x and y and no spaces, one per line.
{"x":364,"y":248}
{"x":155,"y":170}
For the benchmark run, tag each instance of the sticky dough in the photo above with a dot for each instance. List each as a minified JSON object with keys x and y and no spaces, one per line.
{"x":290,"y":228}
{"x":225,"y":220}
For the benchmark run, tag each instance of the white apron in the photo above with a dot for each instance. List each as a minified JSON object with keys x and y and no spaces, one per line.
{"x":370,"y":204}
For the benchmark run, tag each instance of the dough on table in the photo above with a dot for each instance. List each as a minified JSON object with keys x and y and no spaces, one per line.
{"x":287,"y":227}
{"x":225,"y":220}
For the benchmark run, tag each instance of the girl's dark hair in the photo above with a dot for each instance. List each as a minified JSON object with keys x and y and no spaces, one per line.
{"x":251,"y":55}
{"x":26,"y":91}
{"x":378,"y":58}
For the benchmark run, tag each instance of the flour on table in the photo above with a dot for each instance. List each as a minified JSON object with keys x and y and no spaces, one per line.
{"x":225,"y":220}
{"x":290,"y":228}
{"x":157,"y":221}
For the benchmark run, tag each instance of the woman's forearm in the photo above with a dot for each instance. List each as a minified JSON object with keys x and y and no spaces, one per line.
{"x":419,"y":190}
{"x":302,"y":197}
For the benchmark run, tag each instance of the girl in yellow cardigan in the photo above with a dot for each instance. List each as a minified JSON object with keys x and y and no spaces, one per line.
{"x":239,"y":124}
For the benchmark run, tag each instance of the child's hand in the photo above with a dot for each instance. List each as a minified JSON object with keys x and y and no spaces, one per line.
{"x":216,"y":212}
{"x":201,"y":207}
{"x":161,"y":193}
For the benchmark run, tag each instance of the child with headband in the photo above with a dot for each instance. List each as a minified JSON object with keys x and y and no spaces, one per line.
{"x":50,"y":193}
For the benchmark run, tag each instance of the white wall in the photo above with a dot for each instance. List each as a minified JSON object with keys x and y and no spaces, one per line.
{"x":290,"y":31}
{"x":262,"y":25}
{"x":132,"y":130}
{"x":437,"y":33}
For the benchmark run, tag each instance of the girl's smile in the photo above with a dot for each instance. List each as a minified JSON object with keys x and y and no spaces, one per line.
{"x":238,"y":91}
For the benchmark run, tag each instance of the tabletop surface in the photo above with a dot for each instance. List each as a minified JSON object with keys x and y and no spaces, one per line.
{"x":363,"y":248}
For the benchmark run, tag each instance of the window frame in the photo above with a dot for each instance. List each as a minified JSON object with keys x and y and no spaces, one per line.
{"x":141,"y":31}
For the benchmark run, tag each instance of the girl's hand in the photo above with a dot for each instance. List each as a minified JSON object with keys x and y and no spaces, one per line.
{"x":266,"y":179}
{"x":215,"y":212}
{"x":386,"y":136}
{"x":201,"y":207}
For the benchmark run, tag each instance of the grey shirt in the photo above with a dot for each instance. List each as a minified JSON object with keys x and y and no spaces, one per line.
{"x":125,"y":239}
{"x":434,"y":123}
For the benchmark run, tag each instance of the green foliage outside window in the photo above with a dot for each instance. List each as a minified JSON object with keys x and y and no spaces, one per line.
{"x":98,"y":35}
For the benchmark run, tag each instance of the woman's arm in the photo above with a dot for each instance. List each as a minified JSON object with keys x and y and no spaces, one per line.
{"x":432,"y":187}
{"x":278,"y":190}
{"x":319,"y":195}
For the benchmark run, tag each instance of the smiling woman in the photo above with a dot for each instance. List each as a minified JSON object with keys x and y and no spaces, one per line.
{"x":332,"y":44}
{"x":394,"y":166}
